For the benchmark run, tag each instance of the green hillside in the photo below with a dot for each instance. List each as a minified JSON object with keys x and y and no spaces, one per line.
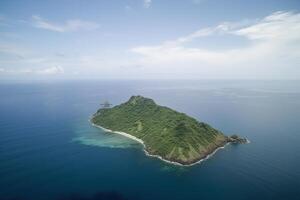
{"x":165,"y":132}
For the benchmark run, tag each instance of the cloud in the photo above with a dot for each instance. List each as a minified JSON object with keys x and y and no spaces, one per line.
{"x":147,"y":3}
{"x":13,"y":50}
{"x":279,"y":25}
{"x":257,"y":48}
{"x":68,"y":26}
{"x":15,"y":71}
{"x":273,"y":42}
{"x":51,"y":70}
{"x":46,"y":71}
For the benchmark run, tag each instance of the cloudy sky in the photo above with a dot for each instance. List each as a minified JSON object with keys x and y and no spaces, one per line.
{"x":150,"y":39}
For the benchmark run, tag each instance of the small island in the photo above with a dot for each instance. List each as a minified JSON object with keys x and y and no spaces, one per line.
{"x":165,"y":133}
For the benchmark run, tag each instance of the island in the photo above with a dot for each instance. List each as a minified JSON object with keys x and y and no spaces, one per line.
{"x":165,"y":133}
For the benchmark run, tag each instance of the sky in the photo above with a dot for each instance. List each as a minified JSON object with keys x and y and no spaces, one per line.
{"x":149,"y":39}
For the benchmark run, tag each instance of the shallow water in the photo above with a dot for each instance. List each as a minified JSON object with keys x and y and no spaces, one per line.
{"x":48,"y":149}
{"x":97,"y":137}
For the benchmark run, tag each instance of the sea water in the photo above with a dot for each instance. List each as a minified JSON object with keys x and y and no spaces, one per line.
{"x":49,"y":150}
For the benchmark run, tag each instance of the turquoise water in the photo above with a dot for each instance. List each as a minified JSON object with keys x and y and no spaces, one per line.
{"x":48,"y":149}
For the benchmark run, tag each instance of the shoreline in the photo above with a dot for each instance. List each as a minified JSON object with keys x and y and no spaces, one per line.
{"x":157,"y":156}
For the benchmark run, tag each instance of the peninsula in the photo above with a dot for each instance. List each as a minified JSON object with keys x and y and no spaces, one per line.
{"x":165,"y":133}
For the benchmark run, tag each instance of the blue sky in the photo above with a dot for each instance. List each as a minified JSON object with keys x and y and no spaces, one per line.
{"x":150,"y":39}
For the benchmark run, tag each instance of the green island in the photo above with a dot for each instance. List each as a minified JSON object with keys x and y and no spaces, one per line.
{"x":165,"y":133}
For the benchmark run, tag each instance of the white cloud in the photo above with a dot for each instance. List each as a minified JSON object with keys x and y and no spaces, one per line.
{"x":68,"y":26}
{"x":279,"y":25}
{"x":46,"y":71}
{"x":12,"y":49}
{"x":270,"y":49}
{"x":274,"y":42}
{"x":51,"y":70}
{"x":147,"y":3}
{"x":16,"y":71}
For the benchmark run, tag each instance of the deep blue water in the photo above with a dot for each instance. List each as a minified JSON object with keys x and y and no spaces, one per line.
{"x":48,"y":150}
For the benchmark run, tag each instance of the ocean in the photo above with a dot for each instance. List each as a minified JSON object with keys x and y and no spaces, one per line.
{"x":49,"y":150}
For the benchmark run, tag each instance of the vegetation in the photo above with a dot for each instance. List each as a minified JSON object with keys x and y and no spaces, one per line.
{"x":165,"y":132}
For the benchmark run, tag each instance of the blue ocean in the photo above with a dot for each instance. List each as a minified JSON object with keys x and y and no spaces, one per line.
{"x":49,"y":150}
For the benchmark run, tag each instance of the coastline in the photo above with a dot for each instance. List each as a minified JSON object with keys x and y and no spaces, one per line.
{"x":157,"y":156}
